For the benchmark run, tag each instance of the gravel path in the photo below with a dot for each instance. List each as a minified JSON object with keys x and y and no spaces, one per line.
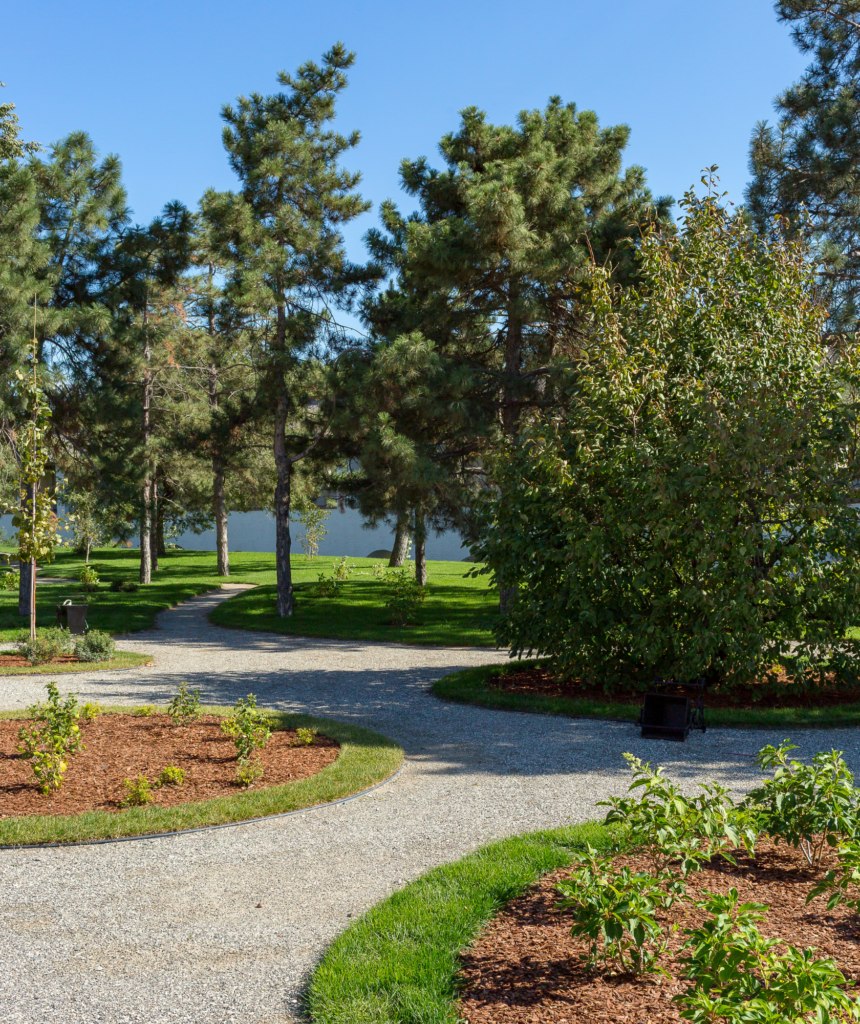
{"x":168,"y":931}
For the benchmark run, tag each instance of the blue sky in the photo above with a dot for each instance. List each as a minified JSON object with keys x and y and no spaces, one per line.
{"x":147,"y":79}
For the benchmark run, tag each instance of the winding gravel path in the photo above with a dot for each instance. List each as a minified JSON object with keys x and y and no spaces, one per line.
{"x":167,"y":931}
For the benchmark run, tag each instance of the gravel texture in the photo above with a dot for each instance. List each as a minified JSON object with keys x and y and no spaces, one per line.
{"x":169,"y":931}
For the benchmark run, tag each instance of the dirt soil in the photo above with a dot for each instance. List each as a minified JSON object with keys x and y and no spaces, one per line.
{"x":17,"y":661}
{"x":120,"y":747}
{"x":525,"y":968}
{"x":541,"y":682}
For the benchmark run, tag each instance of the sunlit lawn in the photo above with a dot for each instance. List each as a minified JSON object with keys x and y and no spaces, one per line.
{"x":459,"y":608}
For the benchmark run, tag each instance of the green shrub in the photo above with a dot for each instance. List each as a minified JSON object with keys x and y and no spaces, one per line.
{"x":51,"y":738}
{"x":673,"y":829}
{"x":171,"y":776}
{"x":739,"y":977}
{"x":616,"y":912}
{"x":343,"y":569}
{"x":95,"y":645}
{"x":185,"y":708}
{"x":328,"y":586}
{"x":89,"y":578}
{"x":138,"y":792}
{"x":10,"y":580}
{"x":684,"y":513}
{"x":49,"y":644}
{"x":809,"y":806}
{"x":144,"y":710}
{"x":405,"y":596}
{"x":250,"y":730}
{"x":90,"y":711}
{"x":305,"y":737}
{"x":124,"y":586}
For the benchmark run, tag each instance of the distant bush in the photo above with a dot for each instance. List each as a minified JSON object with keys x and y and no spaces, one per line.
{"x":49,"y":644}
{"x":95,"y":646}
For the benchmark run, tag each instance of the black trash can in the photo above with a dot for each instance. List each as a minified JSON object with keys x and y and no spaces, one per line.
{"x":72,"y":616}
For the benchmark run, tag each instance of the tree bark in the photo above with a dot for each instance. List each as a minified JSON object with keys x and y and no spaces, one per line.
{"x":160,"y":546}
{"x":156,"y":543}
{"x":283,"y":541}
{"x":146,"y":490}
{"x":420,"y":545}
{"x":25,"y":587}
{"x":510,"y":411}
{"x":401,"y":542}
{"x":219,"y":506}
{"x":89,"y":546}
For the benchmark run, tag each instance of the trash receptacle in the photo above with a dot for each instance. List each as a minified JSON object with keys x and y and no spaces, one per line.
{"x":72,"y":616}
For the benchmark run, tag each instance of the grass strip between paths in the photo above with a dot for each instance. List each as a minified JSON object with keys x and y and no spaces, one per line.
{"x":470,"y":686}
{"x":399,"y":963}
{"x":122,"y":659}
{"x":365,"y":759}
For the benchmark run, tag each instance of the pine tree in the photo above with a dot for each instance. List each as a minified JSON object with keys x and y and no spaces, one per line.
{"x":280,"y":236}
{"x":12,"y":147}
{"x":805,"y":168}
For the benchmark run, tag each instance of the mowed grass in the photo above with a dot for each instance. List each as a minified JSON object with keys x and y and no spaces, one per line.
{"x":459,"y":609}
{"x":473,"y":686}
{"x":365,"y":759}
{"x":122,"y":659}
{"x":399,"y":963}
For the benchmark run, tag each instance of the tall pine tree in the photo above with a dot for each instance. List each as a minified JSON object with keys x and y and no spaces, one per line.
{"x":280,"y":236}
{"x":806,"y":167}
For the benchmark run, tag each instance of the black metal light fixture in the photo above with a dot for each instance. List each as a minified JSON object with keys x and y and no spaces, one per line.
{"x":669,"y":715}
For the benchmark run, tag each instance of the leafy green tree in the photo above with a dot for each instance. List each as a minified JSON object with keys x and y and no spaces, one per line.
{"x":280,"y":237}
{"x":692,"y":511}
{"x":11,"y":145}
{"x":805,"y":166}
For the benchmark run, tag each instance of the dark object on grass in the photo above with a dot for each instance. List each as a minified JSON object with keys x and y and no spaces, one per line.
{"x":72,"y":616}
{"x":668,"y":715}
{"x":124,"y":586}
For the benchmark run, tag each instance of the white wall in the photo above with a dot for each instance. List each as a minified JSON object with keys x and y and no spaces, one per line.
{"x":255,"y":531}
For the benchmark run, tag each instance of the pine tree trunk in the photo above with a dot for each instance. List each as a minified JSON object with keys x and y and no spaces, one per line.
{"x":146,"y":533}
{"x":146,"y":490}
{"x":420,"y":545}
{"x":510,"y":414}
{"x":219,"y":506}
{"x":157,"y":538}
{"x":160,"y":546}
{"x":401,"y":542}
{"x":283,"y":463}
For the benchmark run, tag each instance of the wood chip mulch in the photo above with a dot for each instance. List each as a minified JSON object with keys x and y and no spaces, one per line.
{"x":541,"y":682}
{"x":120,"y":747}
{"x":525,"y":968}
{"x":17,"y":661}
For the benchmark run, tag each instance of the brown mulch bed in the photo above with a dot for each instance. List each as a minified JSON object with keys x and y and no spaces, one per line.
{"x":525,"y":968}
{"x":536,"y":682}
{"x":17,"y":661}
{"x":120,"y":747}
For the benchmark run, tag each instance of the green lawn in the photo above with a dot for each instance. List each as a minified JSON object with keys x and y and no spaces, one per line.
{"x":399,"y":963}
{"x":459,"y":610}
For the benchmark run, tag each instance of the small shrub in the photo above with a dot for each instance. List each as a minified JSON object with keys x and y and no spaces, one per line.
{"x":405,"y":596}
{"x":673,"y":829}
{"x":49,"y":644}
{"x":842,"y":884}
{"x":89,"y":578}
{"x":171,"y":776}
{"x":95,"y":645}
{"x":809,"y":806}
{"x":144,"y":711}
{"x":248,"y":771}
{"x":90,"y":711}
{"x":616,"y":912}
{"x":328,"y":586}
{"x":138,"y":792}
{"x":124,"y":586}
{"x":184,"y":708}
{"x":378,"y":570}
{"x":51,"y":737}
{"x":305,"y":737}
{"x":247,"y":726}
{"x":10,"y":580}
{"x":343,"y":569}
{"x":739,"y":977}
